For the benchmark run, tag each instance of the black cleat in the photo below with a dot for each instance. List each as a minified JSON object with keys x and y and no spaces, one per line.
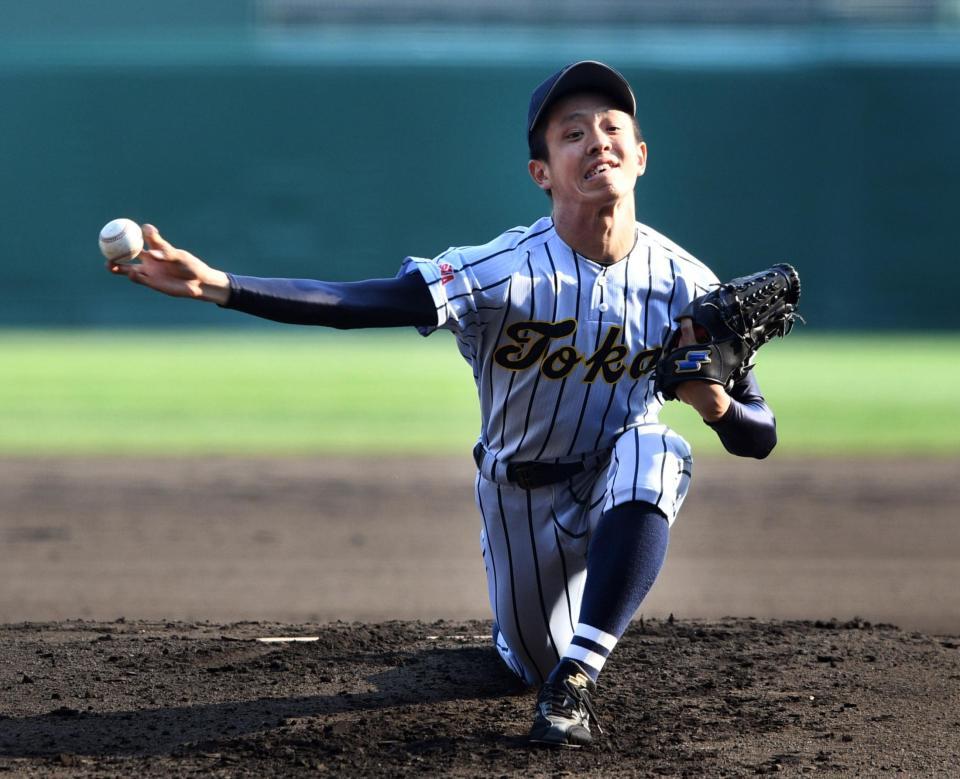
{"x":564,"y":710}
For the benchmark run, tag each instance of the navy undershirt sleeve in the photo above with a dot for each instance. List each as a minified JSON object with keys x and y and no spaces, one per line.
{"x":397,"y":302}
{"x":748,"y":427}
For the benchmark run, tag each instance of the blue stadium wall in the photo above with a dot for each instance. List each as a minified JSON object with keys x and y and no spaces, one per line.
{"x":277,"y":159}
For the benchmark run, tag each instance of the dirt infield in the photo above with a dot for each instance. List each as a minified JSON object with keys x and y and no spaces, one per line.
{"x":727,"y":698}
{"x":147,"y":550}
{"x":324,"y":539}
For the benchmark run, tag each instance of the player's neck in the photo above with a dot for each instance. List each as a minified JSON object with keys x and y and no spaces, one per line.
{"x":603,"y":235}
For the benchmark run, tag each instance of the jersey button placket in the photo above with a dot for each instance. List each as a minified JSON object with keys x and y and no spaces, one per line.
{"x":597,"y":291}
{"x":603,"y":306}
{"x":613,"y":291}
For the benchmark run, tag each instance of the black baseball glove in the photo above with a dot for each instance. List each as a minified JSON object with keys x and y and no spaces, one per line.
{"x":730,"y":323}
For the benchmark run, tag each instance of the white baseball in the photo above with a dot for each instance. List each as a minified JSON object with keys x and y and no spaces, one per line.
{"x":121,"y":240}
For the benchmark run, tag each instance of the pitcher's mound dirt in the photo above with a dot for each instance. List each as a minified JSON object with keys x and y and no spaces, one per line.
{"x":720,"y":698}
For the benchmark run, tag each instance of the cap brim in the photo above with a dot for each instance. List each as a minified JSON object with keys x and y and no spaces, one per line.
{"x":588,"y":76}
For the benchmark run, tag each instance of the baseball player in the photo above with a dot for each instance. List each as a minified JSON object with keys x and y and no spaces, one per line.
{"x":562,"y":323}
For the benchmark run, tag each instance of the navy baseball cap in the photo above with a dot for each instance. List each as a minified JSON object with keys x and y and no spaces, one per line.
{"x":584,"y":76}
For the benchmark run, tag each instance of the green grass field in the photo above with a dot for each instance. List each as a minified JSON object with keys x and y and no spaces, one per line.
{"x":300,"y":391}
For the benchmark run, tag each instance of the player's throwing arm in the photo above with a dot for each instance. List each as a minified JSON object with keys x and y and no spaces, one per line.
{"x":146,"y":258}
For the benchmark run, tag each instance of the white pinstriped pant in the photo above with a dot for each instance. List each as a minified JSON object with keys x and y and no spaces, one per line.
{"x":535,"y":542}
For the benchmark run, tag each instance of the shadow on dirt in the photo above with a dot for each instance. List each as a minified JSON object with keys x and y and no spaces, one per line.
{"x":425,"y":677}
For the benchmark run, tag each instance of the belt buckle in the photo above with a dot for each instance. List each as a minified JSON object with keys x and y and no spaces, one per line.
{"x":521,"y":477}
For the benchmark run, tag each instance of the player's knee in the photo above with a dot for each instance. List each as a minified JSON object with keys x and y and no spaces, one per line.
{"x":521,"y":669}
{"x":635,"y":509}
{"x":525,"y":672}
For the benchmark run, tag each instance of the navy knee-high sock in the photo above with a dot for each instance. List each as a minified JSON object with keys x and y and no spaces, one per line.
{"x":626,"y":553}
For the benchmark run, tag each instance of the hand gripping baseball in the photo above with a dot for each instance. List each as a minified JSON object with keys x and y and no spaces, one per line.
{"x":173,"y":271}
{"x":729,"y":325}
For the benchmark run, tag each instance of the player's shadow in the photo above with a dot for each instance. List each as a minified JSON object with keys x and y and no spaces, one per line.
{"x":430,"y":676}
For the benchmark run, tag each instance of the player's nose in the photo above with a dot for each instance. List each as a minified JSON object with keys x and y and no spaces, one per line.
{"x":598,"y":142}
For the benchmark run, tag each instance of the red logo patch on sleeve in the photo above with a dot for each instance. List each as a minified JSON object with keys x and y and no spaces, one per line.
{"x":446,"y":273}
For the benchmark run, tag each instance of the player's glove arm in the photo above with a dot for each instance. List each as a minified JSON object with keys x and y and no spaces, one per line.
{"x":748,"y":427}
{"x":396,"y":302}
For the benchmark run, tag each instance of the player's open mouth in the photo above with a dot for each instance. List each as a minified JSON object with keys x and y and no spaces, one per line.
{"x":596,"y":170}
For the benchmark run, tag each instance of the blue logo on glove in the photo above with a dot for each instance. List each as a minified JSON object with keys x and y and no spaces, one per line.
{"x":694,"y":360}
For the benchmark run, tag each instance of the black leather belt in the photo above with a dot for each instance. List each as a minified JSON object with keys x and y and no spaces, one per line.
{"x":530,"y":475}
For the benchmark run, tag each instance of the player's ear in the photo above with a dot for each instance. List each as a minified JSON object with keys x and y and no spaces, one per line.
{"x":540,"y":173}
{"x":641,"y":158}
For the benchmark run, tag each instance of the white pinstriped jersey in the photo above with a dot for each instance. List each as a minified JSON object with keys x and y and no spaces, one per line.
{"x":562,"y":348}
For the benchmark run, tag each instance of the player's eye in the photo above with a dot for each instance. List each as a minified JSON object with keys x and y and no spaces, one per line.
{"x":573,"y":135}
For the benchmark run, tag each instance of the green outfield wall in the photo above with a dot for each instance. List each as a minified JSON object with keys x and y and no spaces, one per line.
{"x":336,"y":156}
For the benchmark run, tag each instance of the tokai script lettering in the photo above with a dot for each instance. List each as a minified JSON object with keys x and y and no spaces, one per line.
{"x":531,"y":345}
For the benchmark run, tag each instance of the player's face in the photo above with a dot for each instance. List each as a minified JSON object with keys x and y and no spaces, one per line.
{"x":595,"y":156}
